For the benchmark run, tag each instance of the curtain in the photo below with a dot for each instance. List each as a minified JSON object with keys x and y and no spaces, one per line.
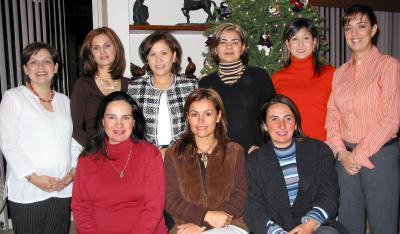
{"x":339,"y":53}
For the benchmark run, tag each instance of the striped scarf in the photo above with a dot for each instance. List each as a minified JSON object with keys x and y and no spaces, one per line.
{"x":230,"y":73}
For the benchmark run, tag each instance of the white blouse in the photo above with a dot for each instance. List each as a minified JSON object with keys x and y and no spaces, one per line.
{"x":164,"y":131}
{"x":34,"y":140}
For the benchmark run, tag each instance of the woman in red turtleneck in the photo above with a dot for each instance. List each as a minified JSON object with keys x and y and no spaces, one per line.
{"x":119,"y":181}
{"x":304,"y":79}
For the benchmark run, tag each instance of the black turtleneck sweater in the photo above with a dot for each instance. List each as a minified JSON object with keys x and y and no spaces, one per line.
{"x":242,"y":102}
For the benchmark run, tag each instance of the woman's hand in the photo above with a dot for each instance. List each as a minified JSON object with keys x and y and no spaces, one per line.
{"x":68,"y":178}
{"x":46,"y":183}
{"x":349,"y":163}
{"x":305,"y":228}
{"x":218,"y":219}
{"x":190,"y":228}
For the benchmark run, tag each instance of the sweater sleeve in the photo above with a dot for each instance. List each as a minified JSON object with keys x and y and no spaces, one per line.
{"x":257,"y":212}
{"x":387,"y":117}
{"x":10,"y":117}
{"x":175,"y":204}
{"x":267,"y":88}
{"x":334,"y":138}
{"x":235,"y":204}
{"x":154,"y":193}
{"x":81,"y":203}
{"x":78,"y":109}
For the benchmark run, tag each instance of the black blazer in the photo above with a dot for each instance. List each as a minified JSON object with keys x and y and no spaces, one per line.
{"x":268,"y":198}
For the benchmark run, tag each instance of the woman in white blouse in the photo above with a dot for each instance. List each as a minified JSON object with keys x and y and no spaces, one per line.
{"x":35,"y":138}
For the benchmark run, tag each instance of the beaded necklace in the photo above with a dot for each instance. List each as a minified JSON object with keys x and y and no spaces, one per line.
{"x":37,"y":95}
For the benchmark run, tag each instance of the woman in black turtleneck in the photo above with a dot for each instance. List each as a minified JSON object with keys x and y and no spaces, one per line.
{"x":243,"y":89}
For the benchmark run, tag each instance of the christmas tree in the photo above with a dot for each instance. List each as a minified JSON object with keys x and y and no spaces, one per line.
{"x":264,"y":22}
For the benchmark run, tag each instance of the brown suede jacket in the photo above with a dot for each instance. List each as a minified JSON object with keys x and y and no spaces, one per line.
{"x":189,"y":197}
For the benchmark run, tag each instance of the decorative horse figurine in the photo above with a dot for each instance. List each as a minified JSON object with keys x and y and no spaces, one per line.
{"x":190,"y":5}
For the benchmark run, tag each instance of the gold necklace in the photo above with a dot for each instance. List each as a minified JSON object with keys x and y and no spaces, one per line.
{"x":204,"y":154}
{"x":121,"y":173}
{"x":114,"y":83}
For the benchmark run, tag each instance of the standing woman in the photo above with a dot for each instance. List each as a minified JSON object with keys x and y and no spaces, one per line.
{"x":362,"y":122}
{"x":35,"y":138}
{"x":304,"y":79}
{"x":162,"y":93}
{"x":292,"y":181}
{"x":243,"y":89}
{"x":103,"y":65}
{"x":120,"y":180}
{"x":206,"y":182}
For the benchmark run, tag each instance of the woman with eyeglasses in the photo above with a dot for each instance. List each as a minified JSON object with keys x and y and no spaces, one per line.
{"x":243,"y":89}
{"x":103,"y":65}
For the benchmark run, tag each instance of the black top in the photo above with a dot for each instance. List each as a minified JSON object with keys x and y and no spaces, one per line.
{"x":318,"y":187}
{"x":85,"y":100}
{"x":242,"y":102}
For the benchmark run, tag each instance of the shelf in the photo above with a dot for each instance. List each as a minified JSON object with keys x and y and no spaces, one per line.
{"x":191,"y":27}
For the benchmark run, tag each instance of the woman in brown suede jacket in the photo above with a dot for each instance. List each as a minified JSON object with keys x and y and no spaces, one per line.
{"x":206,"y":182}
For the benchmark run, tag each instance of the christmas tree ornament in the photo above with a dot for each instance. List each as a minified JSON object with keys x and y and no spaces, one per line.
{"x":223,"y":11}
{"x":257,"y":17}
{"x":264,"y":43}
{"x":274,"y":9}
{"x":305,"y":3}
{"x":297,"y":5}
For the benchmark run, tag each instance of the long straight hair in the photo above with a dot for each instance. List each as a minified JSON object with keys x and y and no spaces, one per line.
{"x":291,"y":29}
{"x":221,"y":128}
{"x":89,"y":66}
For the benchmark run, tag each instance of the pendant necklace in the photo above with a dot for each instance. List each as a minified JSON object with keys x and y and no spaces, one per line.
{"x":121,"y":173}
{"x":114,"y":83}
{"x":204,"y":154}
{"x":37,"y":95}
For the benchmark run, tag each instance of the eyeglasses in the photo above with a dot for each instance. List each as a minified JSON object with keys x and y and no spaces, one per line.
{"x":233,"y":43}
{"x":105,"y":47}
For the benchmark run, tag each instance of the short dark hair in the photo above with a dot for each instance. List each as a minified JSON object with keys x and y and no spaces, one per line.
{"x":32,"y":49}
{"x":173,"y":44}
{"x":221,"y":128}
{"x":218,"y":36}
{"x":97,"y":141}
{"x":278,"y":98}
{"x":290,"y":30}
{"x":352,"y":12}
{"x":89,"y":66}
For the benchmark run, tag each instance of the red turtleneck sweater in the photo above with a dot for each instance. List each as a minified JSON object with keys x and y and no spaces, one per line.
{"x":309,"y":91}
{"x":102,"y":202}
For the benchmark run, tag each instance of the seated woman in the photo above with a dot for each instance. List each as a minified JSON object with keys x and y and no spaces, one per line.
{"x":206,"y":183}
{"x":119,"y":181}
{"x":292,"y":182}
